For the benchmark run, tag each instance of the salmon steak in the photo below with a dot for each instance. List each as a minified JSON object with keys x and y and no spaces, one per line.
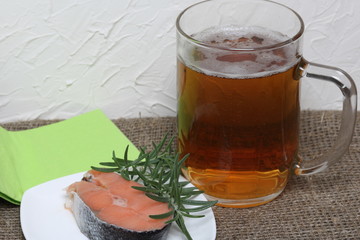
{"x":105,"y":206}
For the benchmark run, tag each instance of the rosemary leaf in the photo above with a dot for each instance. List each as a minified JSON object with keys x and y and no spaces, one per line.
{"x":157,"y":198}
{"x":108,"y":164}
{"x":146,"y":189}
{"x":174,"y":219}
{"x":159,"y":171}
{"x":184,"y":183}
{"x":192,"y":215}
{"x":180,"y":222}
{"x":196,"y":209}
{"x":162,"y":216}
{"x":105,"y":169}
{"x":198,"y":202}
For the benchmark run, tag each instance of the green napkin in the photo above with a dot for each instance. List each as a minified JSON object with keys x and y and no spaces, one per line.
{"x":34,"y":156}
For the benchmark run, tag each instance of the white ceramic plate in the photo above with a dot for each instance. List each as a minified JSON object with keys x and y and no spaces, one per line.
{"x":43,"y":215}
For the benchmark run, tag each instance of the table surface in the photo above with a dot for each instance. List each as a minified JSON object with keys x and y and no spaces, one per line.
{"x":321,"y":206}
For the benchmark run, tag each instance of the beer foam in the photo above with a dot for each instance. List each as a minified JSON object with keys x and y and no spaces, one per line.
{"x":227,"y":36}
{"x":244,"y":63}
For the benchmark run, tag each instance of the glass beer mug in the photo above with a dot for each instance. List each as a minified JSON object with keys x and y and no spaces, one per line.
{"x":239,"y":66}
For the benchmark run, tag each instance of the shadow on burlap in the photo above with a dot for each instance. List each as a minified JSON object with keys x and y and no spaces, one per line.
{"x":321,"y":206}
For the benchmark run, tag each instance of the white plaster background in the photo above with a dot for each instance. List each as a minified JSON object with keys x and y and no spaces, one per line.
{"x":62,"y":58}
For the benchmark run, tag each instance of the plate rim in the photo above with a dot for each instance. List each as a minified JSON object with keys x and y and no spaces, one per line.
{"x":26,"y":204}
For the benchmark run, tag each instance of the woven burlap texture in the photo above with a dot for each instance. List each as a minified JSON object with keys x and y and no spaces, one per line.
{"x":321,"y":206}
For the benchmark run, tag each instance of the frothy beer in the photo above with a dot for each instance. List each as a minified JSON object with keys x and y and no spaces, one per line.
{"x":238,"y":111}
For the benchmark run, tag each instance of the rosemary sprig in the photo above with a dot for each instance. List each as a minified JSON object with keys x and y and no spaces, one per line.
{"x":159,"y":171}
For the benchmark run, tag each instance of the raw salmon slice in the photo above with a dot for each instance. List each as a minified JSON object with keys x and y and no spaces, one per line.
{"x":105,"y":206}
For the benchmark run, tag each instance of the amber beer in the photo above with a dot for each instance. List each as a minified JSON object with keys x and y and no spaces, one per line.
{"x":238,"y":115}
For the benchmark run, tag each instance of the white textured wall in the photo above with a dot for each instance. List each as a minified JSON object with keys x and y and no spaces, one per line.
{"x":62,"y":58}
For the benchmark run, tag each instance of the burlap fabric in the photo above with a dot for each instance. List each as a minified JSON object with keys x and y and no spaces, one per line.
{"x":322,"y":206}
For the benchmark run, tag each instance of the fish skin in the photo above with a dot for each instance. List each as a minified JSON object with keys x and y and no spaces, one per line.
{"x":96,"y":229}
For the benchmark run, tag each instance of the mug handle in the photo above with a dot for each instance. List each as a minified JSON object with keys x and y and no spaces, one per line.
{"x":348,"y":117}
